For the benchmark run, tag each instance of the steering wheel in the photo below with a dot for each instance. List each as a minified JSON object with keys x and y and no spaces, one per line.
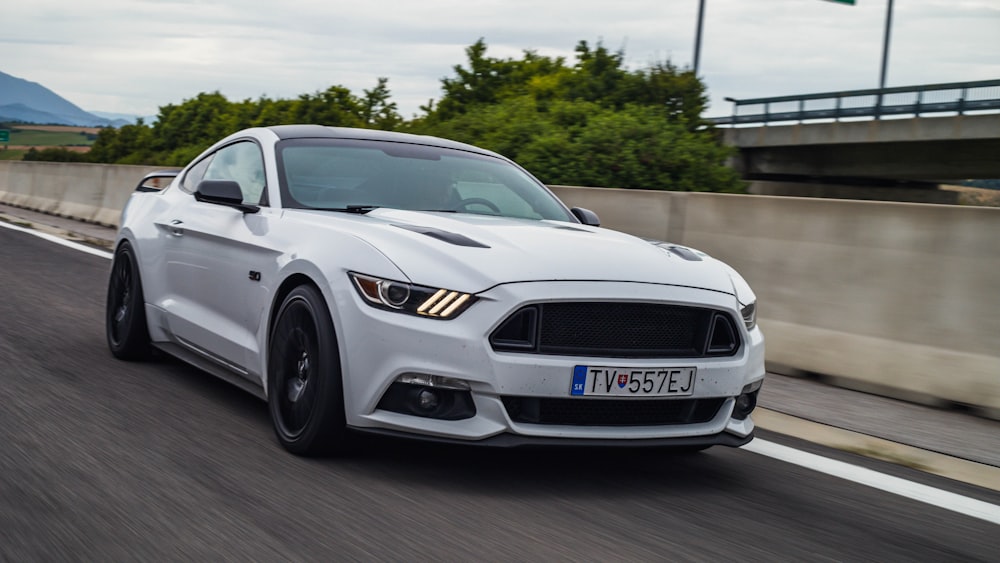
{"x":477,"y":201}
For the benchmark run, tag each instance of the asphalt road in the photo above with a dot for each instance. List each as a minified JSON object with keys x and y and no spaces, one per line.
{"x":103,"y":460}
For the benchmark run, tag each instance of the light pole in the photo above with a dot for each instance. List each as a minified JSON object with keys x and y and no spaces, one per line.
{"x":885,"y":46}
{"x":885,"y":60}
{"x":697,"y":35}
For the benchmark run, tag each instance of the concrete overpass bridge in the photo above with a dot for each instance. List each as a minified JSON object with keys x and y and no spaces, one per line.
{"x":880,"y":137}
{"x":920,"y":148}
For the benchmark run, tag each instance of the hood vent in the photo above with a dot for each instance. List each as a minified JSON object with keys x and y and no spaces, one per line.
{"x":446,"y":236}
{"x":684,"y":253}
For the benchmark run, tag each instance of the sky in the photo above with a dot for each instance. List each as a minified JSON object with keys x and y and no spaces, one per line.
{"x":134,"y":56}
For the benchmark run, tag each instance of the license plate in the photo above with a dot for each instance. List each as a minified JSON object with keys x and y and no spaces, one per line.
{"x":633,"y":382}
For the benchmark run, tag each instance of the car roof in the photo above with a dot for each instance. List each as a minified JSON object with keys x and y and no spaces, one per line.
{"x":325,"y":132}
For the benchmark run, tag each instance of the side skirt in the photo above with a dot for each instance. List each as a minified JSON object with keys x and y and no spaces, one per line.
{"x":222,"y":371}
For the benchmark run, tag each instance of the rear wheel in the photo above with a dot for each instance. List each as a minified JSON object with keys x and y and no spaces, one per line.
{"x":125,"y":313}
{"x":305,"y":389}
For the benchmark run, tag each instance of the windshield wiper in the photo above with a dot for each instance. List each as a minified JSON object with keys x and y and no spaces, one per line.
{"x":358,"y":209}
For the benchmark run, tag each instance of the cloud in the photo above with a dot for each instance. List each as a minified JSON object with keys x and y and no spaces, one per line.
{"x":137,"y":55}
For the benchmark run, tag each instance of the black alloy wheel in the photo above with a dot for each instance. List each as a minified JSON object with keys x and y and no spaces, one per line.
{"x":125,"y":313}
{"x":689,"y":449}
{"x":305,"y":389}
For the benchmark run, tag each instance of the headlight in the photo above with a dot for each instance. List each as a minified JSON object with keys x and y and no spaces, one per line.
{"x":413,"y":299}
{"x":749,"y":313}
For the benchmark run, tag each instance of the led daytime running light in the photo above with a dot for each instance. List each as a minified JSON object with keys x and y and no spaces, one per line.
{"x":443,"y":303}
{"x":422,"y":309}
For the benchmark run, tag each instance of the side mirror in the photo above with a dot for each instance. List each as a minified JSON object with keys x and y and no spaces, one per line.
{"x":156,"y":181}
{"x":586,"y":216}
{"x":223,"y":192}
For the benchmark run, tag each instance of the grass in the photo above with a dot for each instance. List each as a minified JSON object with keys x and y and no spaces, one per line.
{"x":891,"y":457}
{"x":24,"y":136}
{"x":12,"y":154}
{"x":15,"y":221}
{"x":32,"y":138}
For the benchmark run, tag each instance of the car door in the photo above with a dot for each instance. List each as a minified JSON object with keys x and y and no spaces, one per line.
{"x":215,"y":256}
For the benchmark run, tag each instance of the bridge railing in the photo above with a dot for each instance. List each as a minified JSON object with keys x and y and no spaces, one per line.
{"x":954,"y":97}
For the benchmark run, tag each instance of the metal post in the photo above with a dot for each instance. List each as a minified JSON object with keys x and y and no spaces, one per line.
{"x":735,"y":106}
{"x":697,"y":35}
{"x":885,"y":46}
{"x":885,"y":58}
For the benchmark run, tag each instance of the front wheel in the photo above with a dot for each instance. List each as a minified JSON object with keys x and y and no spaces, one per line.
{"x":689,"y":449}
{"x":125,"y":313}
{"x":305,"y":389}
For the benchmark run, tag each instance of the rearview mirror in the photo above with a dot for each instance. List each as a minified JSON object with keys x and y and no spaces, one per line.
{"x":586,"y":216}
{"x":223,"y":192}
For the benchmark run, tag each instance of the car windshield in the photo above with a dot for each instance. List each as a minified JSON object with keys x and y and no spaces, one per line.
{"x":359,"y":175}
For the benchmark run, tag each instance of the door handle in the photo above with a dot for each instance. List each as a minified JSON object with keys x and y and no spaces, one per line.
{"x":174,"y":229}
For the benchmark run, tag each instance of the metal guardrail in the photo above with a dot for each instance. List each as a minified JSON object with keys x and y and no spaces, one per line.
{"x":958,"y":97}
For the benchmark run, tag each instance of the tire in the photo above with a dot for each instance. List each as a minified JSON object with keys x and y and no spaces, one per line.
{"x":125,"y":312}
{"x":304,"y":382}
{"x":683,"y":450}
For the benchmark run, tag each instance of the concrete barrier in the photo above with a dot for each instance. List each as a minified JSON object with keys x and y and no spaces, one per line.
{"x":94,"y":193}
{"x":894,"y":298}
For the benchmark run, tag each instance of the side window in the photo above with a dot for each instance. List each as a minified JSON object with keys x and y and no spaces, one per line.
{"x":243,"y":163}
{"x":195,"y":174}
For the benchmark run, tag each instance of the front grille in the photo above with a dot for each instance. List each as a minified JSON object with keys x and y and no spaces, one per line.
{"x":611,"y":412}
{"x":611,"y":329}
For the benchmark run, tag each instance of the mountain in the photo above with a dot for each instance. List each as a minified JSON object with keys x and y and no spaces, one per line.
{"x":30,"y":102}
{"x":119,"y":119}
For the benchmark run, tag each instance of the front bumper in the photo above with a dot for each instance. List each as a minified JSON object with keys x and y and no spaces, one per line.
{"x":378,"y":346}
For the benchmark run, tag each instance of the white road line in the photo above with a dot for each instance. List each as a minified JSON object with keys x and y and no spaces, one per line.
{"x":57,"y":240}
{"x":895,"y":485}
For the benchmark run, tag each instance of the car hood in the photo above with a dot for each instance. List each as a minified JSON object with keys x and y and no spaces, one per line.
{"x":473,"y":253}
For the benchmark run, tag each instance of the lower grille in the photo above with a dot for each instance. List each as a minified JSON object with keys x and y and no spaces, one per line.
{"x":611,"y":412}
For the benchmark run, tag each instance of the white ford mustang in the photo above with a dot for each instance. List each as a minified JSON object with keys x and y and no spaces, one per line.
{"x":398,"y":284}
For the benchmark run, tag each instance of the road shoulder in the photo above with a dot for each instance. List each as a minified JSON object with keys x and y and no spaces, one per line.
{"x":958,"y":469}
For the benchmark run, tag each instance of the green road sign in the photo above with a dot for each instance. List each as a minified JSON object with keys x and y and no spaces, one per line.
{"x":4,"y":135}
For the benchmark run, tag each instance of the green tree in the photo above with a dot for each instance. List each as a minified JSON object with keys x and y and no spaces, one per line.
{"x":595,"y":123}
{"x":128,"y":144}
{"x":334,"y":106}
{"x":55,"y":154}
{"x":182,"y":131}
{"x":378,"y":111}
{"x":199,"y":121}
{"x":598,"y":75}
{"x":488,"y":80}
